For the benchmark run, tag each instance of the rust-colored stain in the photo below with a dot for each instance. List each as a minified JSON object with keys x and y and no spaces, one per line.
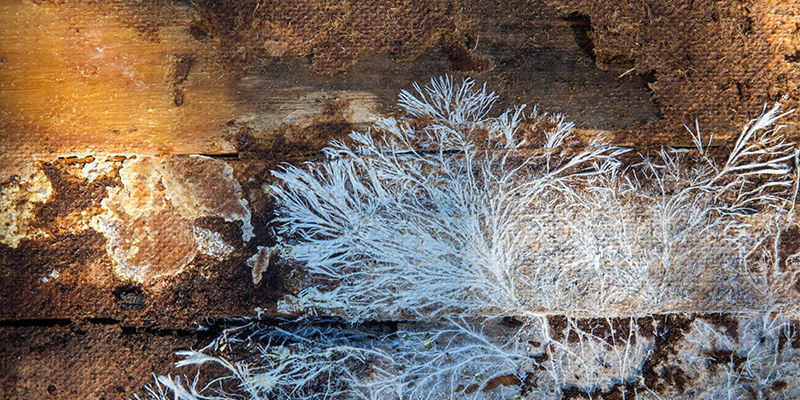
{"x":135,"y":239}
{"x":157,"y":243}
{"x":19,"y":197}
{"x":203,"y":186}
{"x":147,"y":243}
{"x":149,"y":219}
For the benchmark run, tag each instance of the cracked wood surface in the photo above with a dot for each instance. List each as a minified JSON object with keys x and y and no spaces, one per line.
{"x":133,"y":133}
{"x":99,"y":105}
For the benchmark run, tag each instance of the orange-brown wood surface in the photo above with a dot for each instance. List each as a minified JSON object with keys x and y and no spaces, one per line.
{"x":104,"y":105}
{"x":82,"y":81}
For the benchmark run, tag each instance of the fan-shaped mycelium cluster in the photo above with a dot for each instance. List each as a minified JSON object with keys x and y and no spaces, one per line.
{"x":480,"y":229}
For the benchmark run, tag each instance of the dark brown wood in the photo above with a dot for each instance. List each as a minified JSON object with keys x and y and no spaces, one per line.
{"x":89,"y":93}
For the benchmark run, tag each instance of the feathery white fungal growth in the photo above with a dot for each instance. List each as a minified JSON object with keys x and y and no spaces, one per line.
{"x":452,"y":218}
{"x":453,"y":359}
{"x":420,"y":221}
{"x":320,"y":361}
{"x":447,"y":212}
{"x":753,"y":360}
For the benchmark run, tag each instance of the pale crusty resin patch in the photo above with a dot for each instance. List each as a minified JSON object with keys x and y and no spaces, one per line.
{"x":259,"y":262}
{"x":212,"y":243}
{"x":18,"y":197}
{"x":202,"y":186}
{"x":149,"y":221}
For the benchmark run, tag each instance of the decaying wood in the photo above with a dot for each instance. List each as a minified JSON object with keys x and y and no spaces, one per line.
{"x":88,"y":92}
{"x":134,"y":134}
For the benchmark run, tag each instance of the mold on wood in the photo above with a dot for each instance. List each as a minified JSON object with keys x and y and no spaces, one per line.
{"x":137,"y":140}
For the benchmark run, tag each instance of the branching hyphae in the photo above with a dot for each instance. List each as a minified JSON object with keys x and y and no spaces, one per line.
{"x":453,"y":359}
{"x":526,"y":262}
{"x":754,"y":359}
{"x":539,"y":359}
{"x":448,"y":211}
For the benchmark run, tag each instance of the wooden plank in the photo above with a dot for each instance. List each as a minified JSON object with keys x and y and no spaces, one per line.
{"x":103,"y":105}
{"x":93,"y":98}
{"x":82,"y":80}
{"x":74,"y":83}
